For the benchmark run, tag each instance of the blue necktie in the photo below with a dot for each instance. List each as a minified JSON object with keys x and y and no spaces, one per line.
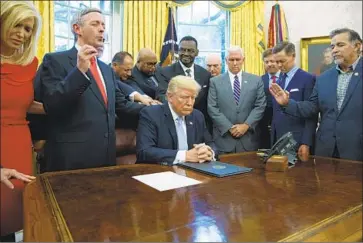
{"x":236,"y":89}
{"x":182,"y":138}
{"x":282,"y":81}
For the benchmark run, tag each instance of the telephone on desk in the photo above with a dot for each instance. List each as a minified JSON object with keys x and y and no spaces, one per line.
{"x":286,"y":146}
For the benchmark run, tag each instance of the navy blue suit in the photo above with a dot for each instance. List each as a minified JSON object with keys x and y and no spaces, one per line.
{"x":341,"y":129}
{"x":265,"y":122}
{"x":81,"y":128}
{"x":300,"y":87}
{"x":157,"y":140}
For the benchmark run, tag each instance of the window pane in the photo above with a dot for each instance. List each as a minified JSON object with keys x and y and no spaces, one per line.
{"x":61,"y":28}
{"x":61,"y":44}
{"x":70,"y":43}
{"x":106,"y":6}
{"x":61,"y":1}
{"x":76,"y":4}
{"x":208,"y":37}
{"x":200,"y":12}
{"x":106,"y":54}
{"x":108,"y":27}
{"x":60,"y":13}
{"x":184,"y":14}
{"x":96,"y":4}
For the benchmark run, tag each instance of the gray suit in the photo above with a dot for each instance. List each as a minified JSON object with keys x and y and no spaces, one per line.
{"x":224,"y":111}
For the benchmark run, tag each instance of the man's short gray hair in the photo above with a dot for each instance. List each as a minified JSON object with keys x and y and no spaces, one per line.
{"x":77,"y":18}
{"x":235,"y":49}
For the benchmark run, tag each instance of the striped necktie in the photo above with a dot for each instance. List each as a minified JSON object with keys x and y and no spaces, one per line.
{"x":236,"y":89}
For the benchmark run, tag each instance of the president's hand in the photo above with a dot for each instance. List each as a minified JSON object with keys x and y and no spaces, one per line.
{"x":192,"y":155}
{"x":156,"y":102}
{"x":281,"y":96}
{"x":304,"y":152}
{"x":84,"y":55}
{"x":7,"y":174}
{"x":238,"y":130}
{"x":205,"y":153}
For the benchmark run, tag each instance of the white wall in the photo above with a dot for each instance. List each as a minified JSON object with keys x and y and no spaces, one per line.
{"x":316,"y":18}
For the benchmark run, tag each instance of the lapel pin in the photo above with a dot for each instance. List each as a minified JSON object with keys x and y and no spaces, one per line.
{"x":190,"y":123}
{"x":356,"y":74}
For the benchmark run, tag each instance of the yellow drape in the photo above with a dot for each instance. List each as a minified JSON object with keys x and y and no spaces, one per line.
{"x":46,"y":38}
{"x":144,"y":25}
{"x":247,"y":32}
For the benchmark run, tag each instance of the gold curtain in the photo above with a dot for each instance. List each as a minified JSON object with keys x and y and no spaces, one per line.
{"x":247,"y":32}
{"x":144,"y":25}
{"x":46,"y":38}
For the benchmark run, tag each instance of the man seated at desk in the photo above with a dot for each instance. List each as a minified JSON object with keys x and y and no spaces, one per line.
{"x":174,"y":132}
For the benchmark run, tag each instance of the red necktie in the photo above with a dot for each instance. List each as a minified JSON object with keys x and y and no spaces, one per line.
{"x":97,"y":77}
{"x":273,"y":79}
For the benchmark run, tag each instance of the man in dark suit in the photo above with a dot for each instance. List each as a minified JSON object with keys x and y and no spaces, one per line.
{"x":122,"y":63}
{"x":337,"y":95}
{"x":144,"y":73}
{"x":174,"y":132}
{"x":81,"y":99}
{"x":271,"y":76}
{"x":300,"y":85}
{"x":188,"y":50}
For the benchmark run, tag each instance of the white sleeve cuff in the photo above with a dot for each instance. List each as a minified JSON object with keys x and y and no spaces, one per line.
{"x":180,"y":157}
{"x":132,"y":96}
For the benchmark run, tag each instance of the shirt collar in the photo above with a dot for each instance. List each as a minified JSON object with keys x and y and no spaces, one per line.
{"x":352,"y":67}
{"x":173,"y":113}
{"x":185,"y":68}
{"x":292,"y":72}
{"x":231,"y":75}
{"x":276,"y":74}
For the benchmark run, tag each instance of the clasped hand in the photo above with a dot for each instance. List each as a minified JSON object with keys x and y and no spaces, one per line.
{"x":199,"y":153}
{"x":238,"y":130}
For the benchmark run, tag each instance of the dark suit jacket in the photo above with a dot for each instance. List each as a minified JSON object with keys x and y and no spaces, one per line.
{"x":81,"y":127}
{"x":342,"y":128}
{"x":300,"y":87}
{"x":140,"y":80}
{"x":157,"y":140}
{"x":265,"y":122}
{"x":201,"y":75}
{"x":125,"y":88}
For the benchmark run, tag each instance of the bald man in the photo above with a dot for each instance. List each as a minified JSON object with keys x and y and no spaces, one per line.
{"x":143,"y":73}
{"x":214,"y":64}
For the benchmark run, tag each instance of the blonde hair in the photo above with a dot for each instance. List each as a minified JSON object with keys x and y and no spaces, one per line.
{"x":182,"y":82}
{"x":12,"y":13}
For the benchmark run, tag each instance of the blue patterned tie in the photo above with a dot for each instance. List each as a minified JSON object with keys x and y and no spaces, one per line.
{"x":182,"y":138}
{"x":236,"y":89}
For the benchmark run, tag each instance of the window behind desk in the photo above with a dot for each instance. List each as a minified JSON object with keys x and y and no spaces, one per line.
{"x":208,"y":24}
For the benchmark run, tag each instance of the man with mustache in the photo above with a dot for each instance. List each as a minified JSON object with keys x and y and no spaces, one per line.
{"x":174,"y":132}
{"x":188,"y":51}
{"x":337,"y":96}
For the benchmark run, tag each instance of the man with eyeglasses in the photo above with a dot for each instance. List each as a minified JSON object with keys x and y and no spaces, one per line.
{"x":188,"y":51}
{"x":143,"y":73}
{"x":174,"y":132}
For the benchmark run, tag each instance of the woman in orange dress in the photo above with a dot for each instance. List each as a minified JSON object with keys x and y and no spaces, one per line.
{"x":20,"y":26}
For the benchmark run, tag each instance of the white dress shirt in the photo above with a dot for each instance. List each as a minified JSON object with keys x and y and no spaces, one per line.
{"x":181,"y":154}
{"x":231,"y":79}
{"x":185,"y":68}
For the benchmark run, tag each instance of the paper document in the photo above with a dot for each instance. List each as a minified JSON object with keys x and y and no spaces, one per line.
{"x":164,"y":181}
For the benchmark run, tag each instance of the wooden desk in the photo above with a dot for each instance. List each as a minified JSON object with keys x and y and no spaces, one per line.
{"x":320,"y":200}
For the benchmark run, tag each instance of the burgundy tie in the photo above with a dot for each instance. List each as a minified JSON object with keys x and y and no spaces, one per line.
{"x":274,"y":79}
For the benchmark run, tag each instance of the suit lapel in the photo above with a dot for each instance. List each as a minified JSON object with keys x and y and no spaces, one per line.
{"x":169,"y":122}
{"x":244,"y":87}
{"x":354,"y":80}
{"x":225,"y":86}
{"x":94,"y":87}
{"x":178,"y":69}
{"x":190,"y":130}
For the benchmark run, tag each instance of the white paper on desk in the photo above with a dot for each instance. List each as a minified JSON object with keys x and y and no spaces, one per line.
{"x":164,"y":181}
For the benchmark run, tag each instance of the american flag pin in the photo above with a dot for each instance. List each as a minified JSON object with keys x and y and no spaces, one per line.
{"x":356,"y":74}
{"x":190,"y":123}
